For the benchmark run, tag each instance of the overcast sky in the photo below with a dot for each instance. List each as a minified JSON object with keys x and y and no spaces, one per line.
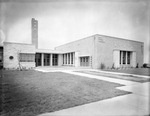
{"x":62,"y":21}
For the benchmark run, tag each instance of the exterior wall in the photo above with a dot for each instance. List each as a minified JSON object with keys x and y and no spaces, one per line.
{"x":106,"y":46}
{"x":76,"y":59}
{"x":100,"y":50}
{"x":12,"y":49}
{"x":116,"y":56}
{"x":82,"y":47}
{"x":105,"y":50}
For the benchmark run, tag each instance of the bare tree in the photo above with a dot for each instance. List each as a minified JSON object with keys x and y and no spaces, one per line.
{"x":18,"y":57}
{"x":19,"y":66}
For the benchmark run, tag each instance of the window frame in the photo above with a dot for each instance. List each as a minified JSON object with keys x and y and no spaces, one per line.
{"x":26,"y":57}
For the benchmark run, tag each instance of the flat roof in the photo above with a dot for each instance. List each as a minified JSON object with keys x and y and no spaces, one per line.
{"x":48,"y":51}
{"x":118,"y":38}
{"x":100,"y":36}
{"x":18,"y":43}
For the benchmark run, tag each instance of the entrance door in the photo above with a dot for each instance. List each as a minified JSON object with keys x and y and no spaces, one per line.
{"x":46,"y":59}
{"x":38,"y":59}
{"x":84,"y":61}
{"x":55,"y":59}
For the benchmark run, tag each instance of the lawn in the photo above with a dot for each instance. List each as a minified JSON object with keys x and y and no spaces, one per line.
{"x":124,"y":77}
{"x":29,"y":93}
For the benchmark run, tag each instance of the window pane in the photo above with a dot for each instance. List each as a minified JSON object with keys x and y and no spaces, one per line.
{"x":128,"y":58}
{"x":23,"y":57}
{"x":68,"y":58}
{"x":120,"y":57}
{"x":124,"y":57}
{"x":71,"y":58}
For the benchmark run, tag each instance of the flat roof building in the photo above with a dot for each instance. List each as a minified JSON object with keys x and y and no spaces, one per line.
{"x":96,"y":51}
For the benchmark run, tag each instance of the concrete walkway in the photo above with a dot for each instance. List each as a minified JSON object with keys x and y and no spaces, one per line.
{"x":135,"y":104}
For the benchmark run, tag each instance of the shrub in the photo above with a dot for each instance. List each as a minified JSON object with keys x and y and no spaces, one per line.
{"x":137,"y":66}
{"x":113,"y":66}
{"x":144,"y":65}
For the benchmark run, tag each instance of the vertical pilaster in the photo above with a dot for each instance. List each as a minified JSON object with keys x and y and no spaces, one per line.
{"x":51,"y":60}
{"x":73,"y":58}
{"x":42,"y":59}
{"x":116,"y":58}
{"x":134,"y":59}
{"x":67,"y":59}
{"x":76,"y":59}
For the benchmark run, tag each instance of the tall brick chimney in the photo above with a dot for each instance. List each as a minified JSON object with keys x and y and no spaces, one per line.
{"x":34,"y":33}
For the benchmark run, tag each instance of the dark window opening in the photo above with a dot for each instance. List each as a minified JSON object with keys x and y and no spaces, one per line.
{"x":68,"y":58}
{"x":46,"y":59}
{"x":71,"y":58}
{"x":124,"y":57}
{"x":25,"y":57}
{"x":63,"y":59}
{"x":128,"y":57}
{"x":38,"y":59}
{"x":55,"y":59}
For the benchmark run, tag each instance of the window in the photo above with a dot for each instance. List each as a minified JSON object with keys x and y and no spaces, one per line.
{"x":46,"y":59}
{"x":84,"y":61}
{"x":38,"y":59}
{"x":124,"y":57}
{"x":25,"y":57}
{"x":63,"y":59}
{"x":68,"y":58}
{"x":120,"y":56}
{"x":128,"y":57}
{"x":71,"y":58}
{"x":55,"y":59}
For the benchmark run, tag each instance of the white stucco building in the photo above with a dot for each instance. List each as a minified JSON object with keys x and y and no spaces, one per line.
{"x":93,"y":52}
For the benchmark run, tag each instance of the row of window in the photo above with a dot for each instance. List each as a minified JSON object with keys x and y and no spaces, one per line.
{"x":125,"y":57}
{"x":25,"y":57}
{"x":68,"y":56}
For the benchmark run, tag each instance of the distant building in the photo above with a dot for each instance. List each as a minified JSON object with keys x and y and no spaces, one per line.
{"x":93,"y":52}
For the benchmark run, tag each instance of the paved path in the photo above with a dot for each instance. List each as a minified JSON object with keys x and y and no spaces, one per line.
{"x":135,"y":104}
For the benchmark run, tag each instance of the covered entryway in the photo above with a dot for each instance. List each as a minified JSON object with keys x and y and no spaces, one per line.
{"x":55,"y":59}
{"x":38,"y":59}
{"x":45,"y":59}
